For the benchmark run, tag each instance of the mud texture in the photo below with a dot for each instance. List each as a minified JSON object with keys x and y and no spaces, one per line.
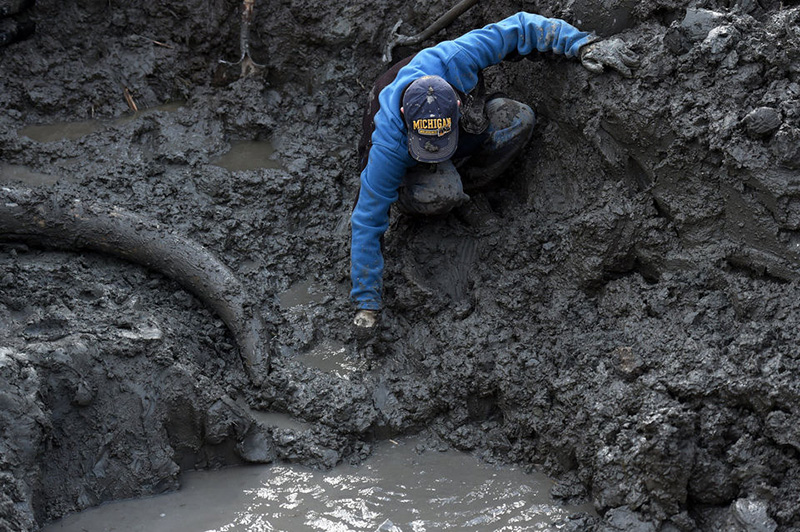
{"x":621,"y":311}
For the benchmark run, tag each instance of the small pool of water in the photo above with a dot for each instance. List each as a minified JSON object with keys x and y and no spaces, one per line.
{"x":14,"y":173}
{"x":75,"y":130}
{"x":397,"y":490}
{"x":60,"y":130}
{"x":331,"y":357}
{"x":300,"y":294}
{"x":248,"y":155}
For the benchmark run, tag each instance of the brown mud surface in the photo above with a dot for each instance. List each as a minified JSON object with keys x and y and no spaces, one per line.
{"x":625,"y":318}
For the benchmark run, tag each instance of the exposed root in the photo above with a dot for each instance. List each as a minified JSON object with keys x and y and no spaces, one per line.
{"x":248,"y":65}
{"x":395,"y":39}
{"x":69,"y":223}
{"x":130,"y":101}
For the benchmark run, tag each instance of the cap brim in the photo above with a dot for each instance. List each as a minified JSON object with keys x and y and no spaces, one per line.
{"x":446,"y":147}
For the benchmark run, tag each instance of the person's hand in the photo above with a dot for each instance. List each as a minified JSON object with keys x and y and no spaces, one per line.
{"x":366,"y":319}
{"x":612,"y":53}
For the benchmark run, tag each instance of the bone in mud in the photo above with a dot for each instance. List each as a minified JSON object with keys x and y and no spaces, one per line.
{"x":71,"y":224}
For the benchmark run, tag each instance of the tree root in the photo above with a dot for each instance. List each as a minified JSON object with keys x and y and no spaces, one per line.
{"x":395,"y":39}
{"x":248,"y":65}
{"x":42,"y":220}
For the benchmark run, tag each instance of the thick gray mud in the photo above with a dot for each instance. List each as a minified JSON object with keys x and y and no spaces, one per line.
{"x":622,"y":316}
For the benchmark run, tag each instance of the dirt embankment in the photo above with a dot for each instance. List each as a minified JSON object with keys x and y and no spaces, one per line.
{"x":629,"y":325}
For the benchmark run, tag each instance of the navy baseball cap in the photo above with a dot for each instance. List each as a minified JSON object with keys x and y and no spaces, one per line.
{"x":430,"y":109}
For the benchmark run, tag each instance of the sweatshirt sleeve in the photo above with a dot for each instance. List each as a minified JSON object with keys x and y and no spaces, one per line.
{"x":521,"y":33}
{"x":379,"y":183}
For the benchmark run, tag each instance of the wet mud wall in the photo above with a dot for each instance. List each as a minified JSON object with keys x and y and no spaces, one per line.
{"x":620,"y":311}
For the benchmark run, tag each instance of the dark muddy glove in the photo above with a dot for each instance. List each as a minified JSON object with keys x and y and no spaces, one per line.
{"x":612,"y":53}
{"x":366,"y":319}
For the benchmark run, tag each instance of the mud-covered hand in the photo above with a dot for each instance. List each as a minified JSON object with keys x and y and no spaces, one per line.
{"x":612,"y":53}
{"x":366,"y":319}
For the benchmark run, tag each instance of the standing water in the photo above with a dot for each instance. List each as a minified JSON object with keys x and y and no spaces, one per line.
{"x":396,"y":489}
{"x":76,"y":130}
{"x":248,"y":155}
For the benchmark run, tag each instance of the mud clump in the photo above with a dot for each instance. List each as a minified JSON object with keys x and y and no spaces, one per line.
{"x":629,"y":326}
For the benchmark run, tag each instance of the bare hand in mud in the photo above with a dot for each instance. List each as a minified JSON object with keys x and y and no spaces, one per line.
{"x":612,"y":53}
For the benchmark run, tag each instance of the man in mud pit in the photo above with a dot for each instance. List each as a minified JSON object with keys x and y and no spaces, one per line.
{"x":429,"y":133}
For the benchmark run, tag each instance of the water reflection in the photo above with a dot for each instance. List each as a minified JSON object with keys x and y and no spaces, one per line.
{"x":397,"y":489}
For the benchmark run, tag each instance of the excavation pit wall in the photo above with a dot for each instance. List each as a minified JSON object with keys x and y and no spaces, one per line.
{"x":628,"y":327}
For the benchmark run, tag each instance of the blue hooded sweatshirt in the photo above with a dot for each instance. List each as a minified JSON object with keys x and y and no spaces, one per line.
{"x":458,"y":61}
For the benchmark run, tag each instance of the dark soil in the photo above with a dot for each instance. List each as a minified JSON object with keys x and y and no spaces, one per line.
{"x":627,"y":321}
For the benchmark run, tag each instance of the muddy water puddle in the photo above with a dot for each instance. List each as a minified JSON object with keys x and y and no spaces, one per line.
{"x":396,"y":489}
{"x":248,"y":155}
{"x":76,"y":130}
{"x":300,"y":294}
{"x":330,"y":357}
{"x":60,"y":130}
{"x":14,"y":173}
